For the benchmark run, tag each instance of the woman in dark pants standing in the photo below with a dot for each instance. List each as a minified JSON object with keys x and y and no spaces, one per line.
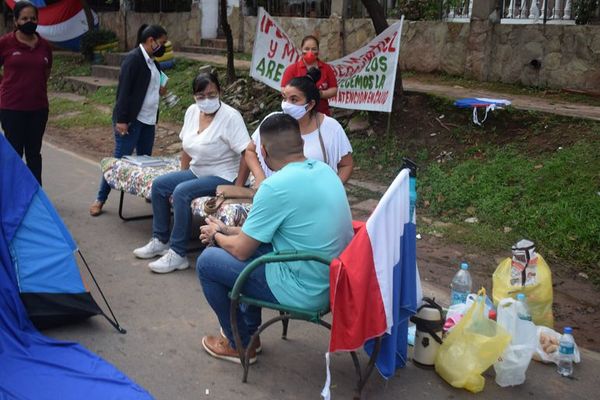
{"x":136,"y":110}
{"x":27,"y":60}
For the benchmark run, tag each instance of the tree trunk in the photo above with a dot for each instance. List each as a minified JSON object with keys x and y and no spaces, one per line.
{"x":377,"y":15}
{"x":380,"y":24}
{"x":89,"y":17}
{"x":229,"y":37}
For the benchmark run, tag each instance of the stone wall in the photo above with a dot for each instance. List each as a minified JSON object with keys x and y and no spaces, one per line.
{"x":183,"y":28}
{"x":569,"y":54}
{"x":326,"y":29}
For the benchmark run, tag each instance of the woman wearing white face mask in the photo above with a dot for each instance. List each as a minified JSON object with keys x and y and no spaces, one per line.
{"x":214,"y":137}
{"x":324,"y":138}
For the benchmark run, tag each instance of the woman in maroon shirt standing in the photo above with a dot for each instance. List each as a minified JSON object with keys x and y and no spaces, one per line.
{"x":27,"y":60}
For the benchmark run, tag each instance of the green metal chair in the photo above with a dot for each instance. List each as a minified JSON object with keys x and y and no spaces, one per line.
{"x":286,"y":313}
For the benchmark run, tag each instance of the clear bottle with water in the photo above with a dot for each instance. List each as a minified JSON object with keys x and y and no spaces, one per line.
{"x":523,"y":308}
{"x":461,"y":285}
{"x":566,"y":349}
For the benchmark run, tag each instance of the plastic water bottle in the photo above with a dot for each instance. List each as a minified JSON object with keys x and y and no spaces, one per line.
{"x":566,"y":349}
{"x":461,"y":285}
{"x":522,"y":307}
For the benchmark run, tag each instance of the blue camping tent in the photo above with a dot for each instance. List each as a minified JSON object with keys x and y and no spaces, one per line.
{"x":40,"y":280}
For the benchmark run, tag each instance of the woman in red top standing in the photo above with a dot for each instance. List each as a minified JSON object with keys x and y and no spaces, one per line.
{"x":327,"y":84}
{"x":27,"y":60}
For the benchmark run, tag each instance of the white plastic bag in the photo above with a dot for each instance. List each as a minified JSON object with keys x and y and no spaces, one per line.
{"x":512,"y":365}
{"x":548,"y":352}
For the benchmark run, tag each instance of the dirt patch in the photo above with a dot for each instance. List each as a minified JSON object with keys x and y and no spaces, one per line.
{"x":427,"y":123}
{"x":97,"y":143}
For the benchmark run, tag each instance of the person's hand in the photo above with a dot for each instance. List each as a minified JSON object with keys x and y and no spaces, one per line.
{"x":207,"y":233}
{"x":163,"y":90}
{"x":217,"y":223}
{"x":122,"y":128}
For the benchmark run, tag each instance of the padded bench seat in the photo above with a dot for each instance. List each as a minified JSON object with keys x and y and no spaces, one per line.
{"x":136,"y":180}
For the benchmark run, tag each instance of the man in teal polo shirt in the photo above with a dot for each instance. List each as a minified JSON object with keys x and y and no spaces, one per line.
{"x":302,"y":207}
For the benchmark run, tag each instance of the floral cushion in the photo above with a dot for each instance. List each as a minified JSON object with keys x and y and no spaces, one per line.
{"x":229,"y":214}
{"x":133,"y":179}
{"x":136,"y":180}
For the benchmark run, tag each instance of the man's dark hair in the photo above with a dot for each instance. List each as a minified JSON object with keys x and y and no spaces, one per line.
{"x":20,"y":6}
{"x":202,"y":80}
{"x":280,"y":134}
{"x":147,"y":31}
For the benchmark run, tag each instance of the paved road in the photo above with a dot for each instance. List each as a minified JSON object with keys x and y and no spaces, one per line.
{"x":166,"y":315}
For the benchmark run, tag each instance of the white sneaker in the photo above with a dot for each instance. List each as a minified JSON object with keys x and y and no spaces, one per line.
{"x":169,"y":262}
{"x":154,"y":248}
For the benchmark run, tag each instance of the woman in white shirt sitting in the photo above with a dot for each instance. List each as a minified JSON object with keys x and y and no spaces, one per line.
{"x":324,"y":138}
{"x":214,"y":137}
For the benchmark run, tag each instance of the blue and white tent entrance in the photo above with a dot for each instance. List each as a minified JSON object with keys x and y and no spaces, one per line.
{"x":40,"y":281}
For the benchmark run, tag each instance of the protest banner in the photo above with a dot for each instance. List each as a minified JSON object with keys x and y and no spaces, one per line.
{"x":273,"y":51}
{"x":365,"y":78}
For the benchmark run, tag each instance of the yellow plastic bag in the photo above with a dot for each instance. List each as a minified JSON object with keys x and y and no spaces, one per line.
{"x":539,"y":295}
{"x":472,"y":347}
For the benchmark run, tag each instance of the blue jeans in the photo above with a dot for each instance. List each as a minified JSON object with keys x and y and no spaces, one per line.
{"x":185,"y":187}
{"x":217,"y":271}
{"x":140,"y":138}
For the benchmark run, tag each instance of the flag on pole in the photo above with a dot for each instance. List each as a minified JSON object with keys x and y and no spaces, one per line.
{"x":374,"y":282}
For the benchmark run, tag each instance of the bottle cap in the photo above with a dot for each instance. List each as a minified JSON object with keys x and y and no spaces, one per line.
{"x":492,"y":315}
{"x":568,"y":330}
{"x":464,"y":266}
{"x":521,"y":297}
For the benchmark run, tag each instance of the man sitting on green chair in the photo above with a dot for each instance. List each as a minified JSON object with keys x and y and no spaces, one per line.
{"x":301,"y":207}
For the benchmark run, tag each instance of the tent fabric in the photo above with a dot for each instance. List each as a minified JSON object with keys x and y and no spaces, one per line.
{"x":34,"y":366}
{"x":374,"y":282}
{"x":481,"y":102}
{"x":54,"y":270}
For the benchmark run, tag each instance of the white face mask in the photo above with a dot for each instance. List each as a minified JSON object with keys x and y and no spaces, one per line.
{"x":208,"y":106}
{"x":294,"y":110}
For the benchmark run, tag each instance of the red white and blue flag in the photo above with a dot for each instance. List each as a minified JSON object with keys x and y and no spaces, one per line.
{"x":60,"y":22}
{"x":374,"y":282}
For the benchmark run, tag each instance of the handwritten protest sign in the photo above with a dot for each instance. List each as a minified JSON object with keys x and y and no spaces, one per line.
{"x":365,"y":78}
{"x":273,"y":51}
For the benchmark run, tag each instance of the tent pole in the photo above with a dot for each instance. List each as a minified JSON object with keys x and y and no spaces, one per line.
{"x":113,"y":321}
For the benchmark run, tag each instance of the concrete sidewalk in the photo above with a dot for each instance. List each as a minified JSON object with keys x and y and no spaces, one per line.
{"x":521,"y":102}
{"x":166,"y":316}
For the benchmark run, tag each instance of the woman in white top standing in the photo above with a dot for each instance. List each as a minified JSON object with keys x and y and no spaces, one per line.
{"x":324,"y":138}
{"x":214,"y":137}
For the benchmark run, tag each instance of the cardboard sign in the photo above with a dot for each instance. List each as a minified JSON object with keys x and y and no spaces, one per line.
{"x":365,"y":78}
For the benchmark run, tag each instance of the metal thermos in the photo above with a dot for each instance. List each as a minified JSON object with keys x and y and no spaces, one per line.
{"x":428,"y":337}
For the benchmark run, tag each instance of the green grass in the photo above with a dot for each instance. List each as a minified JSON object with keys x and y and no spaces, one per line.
{"x":552,"y":199}
{"x":73,"y":114}
{"x":67,"y":65}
